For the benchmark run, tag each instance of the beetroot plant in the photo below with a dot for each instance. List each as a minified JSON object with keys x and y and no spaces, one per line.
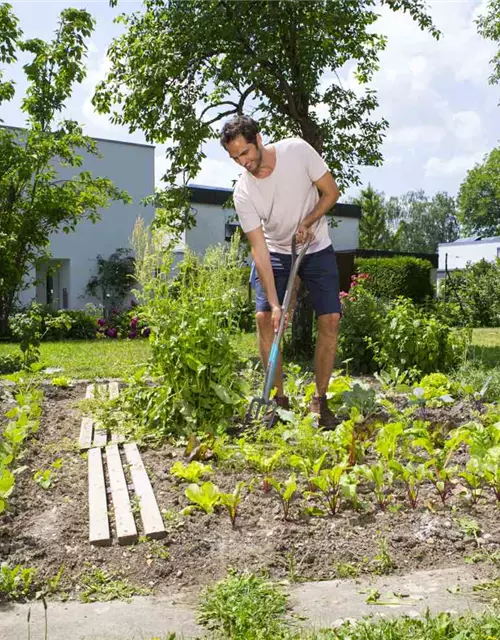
{"x":286,"y":492}
{"x":329,"y":484}
{"x":412,"y":475}
{"x":231,"y":502}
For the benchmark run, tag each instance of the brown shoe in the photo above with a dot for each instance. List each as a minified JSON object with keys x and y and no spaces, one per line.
{"x":271,"y":418}
{"x":319,"y":406}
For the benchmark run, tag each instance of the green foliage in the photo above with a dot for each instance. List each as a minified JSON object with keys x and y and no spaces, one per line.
{"x":329,"y":483}
{"x":100,"y":585}
{"x":471,"y":288}
{"x":397,"y":276}
{"x":34,"y":202}
{"x":114,"y":279}
{"x":206,"y":496}
{"x":479,"y":197}
{"x":373,"y":226}
{"x":191,"y":472}
{"x":361,"y":323}
{"x":412,"y":340}
{"x":10,"y":363}
{"x":243,"y":607}
{"x":193,"y":361}
{"x":231,"y":502}
{"x":15,"y":582}
{"x":28,"y":329}
{"x":286,"y":492}
{"x":488,"y":25}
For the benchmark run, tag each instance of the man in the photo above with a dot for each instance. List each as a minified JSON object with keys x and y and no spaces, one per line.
{"x":286,"y":189}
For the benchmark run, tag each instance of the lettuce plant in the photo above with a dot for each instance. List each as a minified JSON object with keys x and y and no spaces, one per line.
{"x":192,"y":472}
{"x":205,"y":497}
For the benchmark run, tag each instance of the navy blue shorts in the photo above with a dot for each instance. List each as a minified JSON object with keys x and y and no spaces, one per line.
{"x":319,"y":273}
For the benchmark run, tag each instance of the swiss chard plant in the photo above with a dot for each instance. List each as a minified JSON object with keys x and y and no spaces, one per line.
{"x":286,"y":492}
{"x":329,"y":483}
{"x":231,"y":502}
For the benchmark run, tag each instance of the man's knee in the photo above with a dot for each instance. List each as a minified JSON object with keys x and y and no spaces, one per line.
{"x":328,"y":324}
{"x":263,"y":320}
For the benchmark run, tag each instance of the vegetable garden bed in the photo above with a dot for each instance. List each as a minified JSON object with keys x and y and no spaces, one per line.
{"x":375,"y":528}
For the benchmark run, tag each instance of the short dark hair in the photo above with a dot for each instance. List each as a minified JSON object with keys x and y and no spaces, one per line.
{"x":239,"y":126}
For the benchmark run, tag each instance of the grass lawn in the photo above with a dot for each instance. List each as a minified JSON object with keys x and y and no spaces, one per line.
{"x":106,"y":358}
{"x":118,"y":358}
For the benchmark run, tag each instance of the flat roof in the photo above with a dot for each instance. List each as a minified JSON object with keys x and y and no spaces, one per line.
{"x":202,"y":194}
{"x":471,"y":240}
{"x":134,"y":144}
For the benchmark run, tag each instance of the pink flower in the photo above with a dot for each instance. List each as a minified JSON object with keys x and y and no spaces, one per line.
{"x":146,"y":331}
{"x":132,"y":334}
{"x":101,"y":322}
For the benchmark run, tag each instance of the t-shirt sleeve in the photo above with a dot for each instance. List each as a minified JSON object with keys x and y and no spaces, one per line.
{"x":247,"y":214}
{"x":315,"y":165}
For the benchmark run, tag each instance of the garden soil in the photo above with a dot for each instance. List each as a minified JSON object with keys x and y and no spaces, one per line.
{"x":48,"y":528}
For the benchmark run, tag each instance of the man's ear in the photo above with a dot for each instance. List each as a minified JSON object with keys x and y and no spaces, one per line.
{"x":259,"y":140}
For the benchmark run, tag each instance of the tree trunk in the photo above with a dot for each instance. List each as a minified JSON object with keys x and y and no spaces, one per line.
{"x":301,"y":345}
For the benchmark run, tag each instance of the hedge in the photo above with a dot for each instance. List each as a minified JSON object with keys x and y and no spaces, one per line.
{"x":398,"y":276}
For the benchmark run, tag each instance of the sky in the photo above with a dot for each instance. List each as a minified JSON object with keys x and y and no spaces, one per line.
{"x":444,"y":115}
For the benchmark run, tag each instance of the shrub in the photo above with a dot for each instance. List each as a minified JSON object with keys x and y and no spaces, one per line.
{"x":398,"y":276}
{"x":413,"y":340}
{"x":360,"y":326}
{"x":10,"y":364}
{"x":475,"y":290}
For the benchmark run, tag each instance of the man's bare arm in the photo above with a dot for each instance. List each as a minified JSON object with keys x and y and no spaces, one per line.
{"x":329,"y":194}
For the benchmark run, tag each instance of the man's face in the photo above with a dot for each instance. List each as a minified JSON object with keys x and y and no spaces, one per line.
{"x":246,"y":154}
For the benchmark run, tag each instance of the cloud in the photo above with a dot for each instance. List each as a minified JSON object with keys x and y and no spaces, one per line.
{"x":466,"y":125}
{"x":217,"y":173}
{"x":455,"y":166}
{"x":416,"y":134}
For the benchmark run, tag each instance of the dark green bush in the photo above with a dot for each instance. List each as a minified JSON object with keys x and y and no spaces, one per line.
{"x":10,"y":364}
{"x":476,"y":290}
{"x":398,"y":276}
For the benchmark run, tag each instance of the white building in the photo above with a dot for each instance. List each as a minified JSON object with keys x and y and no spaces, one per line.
{"x":456,"y":255}
{"x":131,"y":167}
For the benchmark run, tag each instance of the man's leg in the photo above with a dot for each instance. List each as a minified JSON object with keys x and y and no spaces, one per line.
{"x":265,"y":335}
{"x":326,"y":349}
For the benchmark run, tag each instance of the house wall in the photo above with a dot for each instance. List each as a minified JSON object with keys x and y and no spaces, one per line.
{"x":460,"y":254}
{"x":211,"y":220}
{"x":130,"y":167}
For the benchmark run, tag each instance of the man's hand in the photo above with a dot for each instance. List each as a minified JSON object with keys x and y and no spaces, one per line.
{"x":303,"y":234}
{"x":276,"y":317}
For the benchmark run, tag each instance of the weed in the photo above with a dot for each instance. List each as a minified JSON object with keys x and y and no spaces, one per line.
{"x":382,"y":563}
{"x":15,"y":582}
{"x":100,"y":585}
{"x":346,"y":570}
{"x":243,"y":607}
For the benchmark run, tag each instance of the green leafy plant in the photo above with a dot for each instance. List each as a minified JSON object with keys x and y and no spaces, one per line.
{"x":382,"y":479}
{"x":205,"y":497}
{"x":382,"y":563}
{"x":43,"y":478}
{"x":263,"y":463}
{"x":62,"y":382}
{"x":329,"y":483}
{"x":286,"y":492}
{"x":308,"y":467}
{"x":100,"y":585}
{"x":192,"y":472}
{"x":53,"y":583}
{"x":15,"y":582}
{"x":243,"y":607}
{"x":474,"y":478}
{"x":412,"y":475}
{"x":231,"y":501}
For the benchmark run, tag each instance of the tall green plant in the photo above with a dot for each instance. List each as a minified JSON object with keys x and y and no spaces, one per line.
{"x":193,"y":362}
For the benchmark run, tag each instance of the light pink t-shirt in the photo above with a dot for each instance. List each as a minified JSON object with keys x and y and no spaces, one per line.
{"x":283,"y":199}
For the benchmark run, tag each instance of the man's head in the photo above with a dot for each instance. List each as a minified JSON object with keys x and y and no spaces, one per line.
{"x":241,"y":138}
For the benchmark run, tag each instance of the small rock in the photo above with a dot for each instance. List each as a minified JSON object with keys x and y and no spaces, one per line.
{"x":460,"y":546}
{"x":179,"y":574}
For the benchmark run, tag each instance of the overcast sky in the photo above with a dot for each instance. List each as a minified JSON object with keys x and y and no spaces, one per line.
{"x":443,"y":114}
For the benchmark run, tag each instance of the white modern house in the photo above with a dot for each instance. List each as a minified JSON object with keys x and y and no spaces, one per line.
{"x":131,"y":167}
{"x":457,"y":254}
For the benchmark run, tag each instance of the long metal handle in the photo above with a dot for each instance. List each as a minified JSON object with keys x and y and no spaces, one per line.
{"x":272,"y":362}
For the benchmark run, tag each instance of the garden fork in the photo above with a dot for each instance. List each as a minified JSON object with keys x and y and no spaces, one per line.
{"x":265,"y":402}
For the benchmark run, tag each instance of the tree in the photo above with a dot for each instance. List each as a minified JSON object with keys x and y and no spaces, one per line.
{"x":33,"y":202}
{"x":373,"y":228}
{"x":419,"y":224}
{"x":488,"y":26}
{"x":479,"y":197}
{"x":183,"y":65}
{"x":113,"y":280}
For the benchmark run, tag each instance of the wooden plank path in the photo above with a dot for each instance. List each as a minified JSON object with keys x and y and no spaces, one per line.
{"x":100,"y":451}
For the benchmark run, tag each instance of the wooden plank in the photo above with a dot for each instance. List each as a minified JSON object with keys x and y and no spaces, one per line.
{"x":113,"y":390}
{"x":85,"y":439}
{"x":86,"y":428}
{"x":100,"y":433}
{"x":98,"y":504}
{"x":125,"y":526}
{"x":114,"y":393}
{"x":152,"y":521}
